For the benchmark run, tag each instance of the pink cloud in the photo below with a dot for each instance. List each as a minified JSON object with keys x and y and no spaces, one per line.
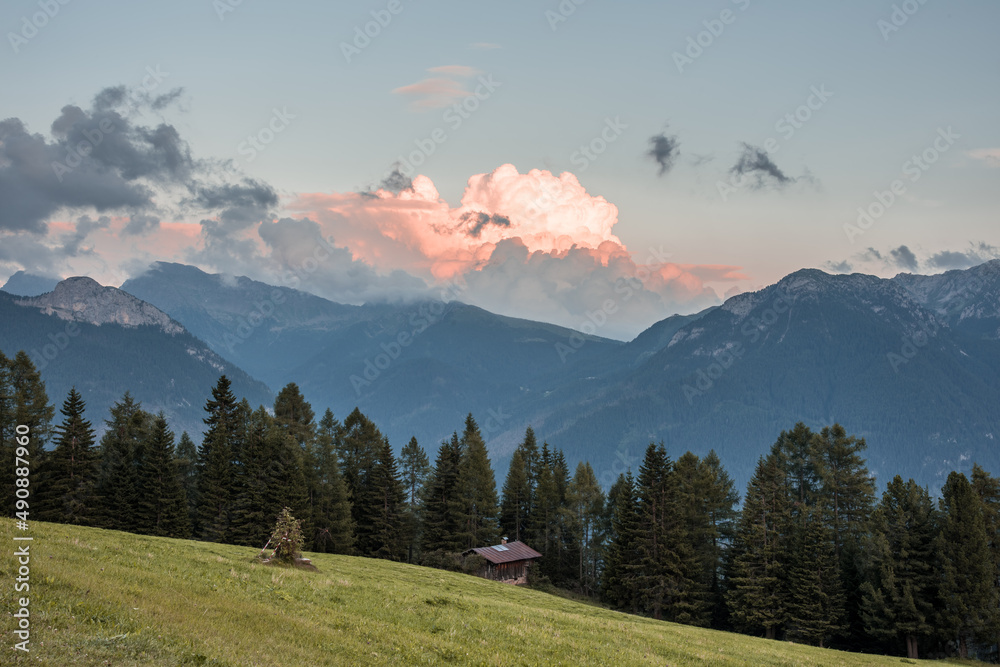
{"x":433,"y":93}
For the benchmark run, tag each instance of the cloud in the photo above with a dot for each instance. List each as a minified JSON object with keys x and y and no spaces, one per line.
{"x":664,"y":150}
{"x":840,"y":267}
{"x":978,"y":253}
{"x":989,"y":156}
{"x":139,"y":224}
{"x":755,"y":163}
{"x":904,"y":258}
{"x":433,"y":93}
{"x":528,"y":245}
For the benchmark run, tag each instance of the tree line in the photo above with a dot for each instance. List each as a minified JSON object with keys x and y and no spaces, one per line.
{"x":811,"y":555}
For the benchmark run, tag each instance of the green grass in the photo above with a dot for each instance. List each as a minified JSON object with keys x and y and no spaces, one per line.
{"x":107,"y":598}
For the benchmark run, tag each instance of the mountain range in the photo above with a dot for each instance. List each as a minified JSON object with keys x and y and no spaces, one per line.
{"x":911,"y":363}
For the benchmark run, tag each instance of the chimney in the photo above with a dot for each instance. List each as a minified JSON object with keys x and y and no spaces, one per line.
{"x":503,"y":540}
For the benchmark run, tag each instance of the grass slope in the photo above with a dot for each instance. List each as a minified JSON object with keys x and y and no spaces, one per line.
{"x":103,"y":597}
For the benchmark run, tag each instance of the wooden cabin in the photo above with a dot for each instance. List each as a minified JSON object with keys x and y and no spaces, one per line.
{"x":507,"y":562}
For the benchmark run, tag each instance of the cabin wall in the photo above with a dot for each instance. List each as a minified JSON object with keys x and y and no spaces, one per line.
{"x":515,"y":572}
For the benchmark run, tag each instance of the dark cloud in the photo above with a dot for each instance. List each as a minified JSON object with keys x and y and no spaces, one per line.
{"x":664,"y":150}
{"x":396,"y":181}
{"x":904,"y":258}
{"x":480,"y":220}
{"x":98,"y":158}
{"x":73,"y":241}
{"x":754,"y":162}
{"x":978,"y":253}
{"x":840,"y":267}
{"x":139,"y":224}
{"x":238,"y":205}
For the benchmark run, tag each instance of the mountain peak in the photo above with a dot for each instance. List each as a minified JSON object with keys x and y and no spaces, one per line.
{"x":23,"y":283}
{"x":83,"y":299}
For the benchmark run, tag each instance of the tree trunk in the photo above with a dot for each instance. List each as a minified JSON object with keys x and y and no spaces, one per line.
{"x":769,"y":633}
{"x":963,"y":648}
{"x":911,"y":647}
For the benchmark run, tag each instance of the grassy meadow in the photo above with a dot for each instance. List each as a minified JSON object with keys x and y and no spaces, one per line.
{"x":107,"y":598}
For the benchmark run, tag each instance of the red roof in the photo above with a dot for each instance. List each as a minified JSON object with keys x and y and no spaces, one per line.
{"x":506,"y":553}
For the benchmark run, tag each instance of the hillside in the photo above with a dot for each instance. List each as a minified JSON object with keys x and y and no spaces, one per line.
{"x":101,"y":597}
{"x":106,"y":342}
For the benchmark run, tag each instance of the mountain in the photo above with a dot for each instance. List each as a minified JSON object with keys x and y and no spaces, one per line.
{"x":106,"y":342}
{"x":28,"y":284}
{"x":418,"y":368}
{"x":816,"y":348}
{"x":911,"y":364}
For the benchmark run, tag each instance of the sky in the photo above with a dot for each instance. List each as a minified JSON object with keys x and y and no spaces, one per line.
{"x":574,"y":162}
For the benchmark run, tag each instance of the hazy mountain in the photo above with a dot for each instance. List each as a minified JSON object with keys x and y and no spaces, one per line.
{"x":817,"y":348}
{"x":28,"y":284}
{"x":105,"y":342}
{"x":910,"y":363}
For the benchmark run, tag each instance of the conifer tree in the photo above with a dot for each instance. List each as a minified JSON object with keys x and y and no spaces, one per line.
{"x":585,"y":506}
{"x":162,"y":506}
{"x":968,"y":590}
{"x":121,"y":453}
{"x":477,"y":490}
{"x":618,"y":581}
{"x":519,"y":488}
{"x":899,"y":596}
{"x":987,"y":487}
{"x":415,"y":470}
{"x":69,"y":474}
{"x":720,"y":503}
{"x":253,"y":502}
{"x":382,"y":500}
{"x":816,"y":599}
{"x":758,"y":589}
{"x":216,"y":471}
{"x":442,"y":517}
{"x":334,"y":528}
{"x":187,"y":469}
{"x":26,"y":404}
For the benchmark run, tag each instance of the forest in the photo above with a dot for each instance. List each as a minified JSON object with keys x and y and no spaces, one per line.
{"x":811,"y":553}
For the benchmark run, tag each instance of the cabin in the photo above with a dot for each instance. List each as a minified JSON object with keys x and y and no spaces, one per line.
{"x":506,"y":562}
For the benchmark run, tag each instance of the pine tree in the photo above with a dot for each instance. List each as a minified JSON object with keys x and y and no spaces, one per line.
{"x":187,"y":471}
{"x":215,"y":463}
{"x":585,"y":501}
{"x":295,"y":417}
{"x":477,"y":490}
{"x":968,"y":590}
{"x":758,"y":594}
{"x":25,"y":404}
{"x":162,"y":507}
{"x":332,"y":517}
{"x":720,"y":504}
{"x":442,"y":517}
{"x":253,"y":502}
{"x":816,"y":599}
{"x":69,"y":475}
{"x":121,"y":453}
{"x":415,"y":470}
{"x":383,"y":499}
{"x":619,"y":580}
{"x":987,"y":488}
{"x":898,"y":597}
{"x":519,"y":488}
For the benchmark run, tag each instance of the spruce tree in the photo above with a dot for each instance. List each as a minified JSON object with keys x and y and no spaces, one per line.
{"x":721,"y":505}
{"x":254,"y":504}
{"x":121,"y":453}
{"x":442,"y":517}
{"x":383,"y":501}
{"x":216,"y":471}
{"x":333,"y":526}
{"x":415,"y":469}
{"x":27,"y":405}
{"x":758,"y":590}
{"x":968,"y":591}
{"x":69,"y":476}
{"x":187,"y":469}
{"x":162,"y":506}
{"x":816,"y":598}
{"x":899,"y":595}
{"x":477,"y":490}
{"x":987,"y":487}
{"x":519,"y":488}
{"x":585,"y":506}
{"x":619,"y":585}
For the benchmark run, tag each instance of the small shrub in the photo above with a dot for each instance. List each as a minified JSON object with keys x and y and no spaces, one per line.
{"x":287,"y":537}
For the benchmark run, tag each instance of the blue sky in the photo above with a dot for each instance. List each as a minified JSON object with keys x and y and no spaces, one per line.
{"x":560,"y":83}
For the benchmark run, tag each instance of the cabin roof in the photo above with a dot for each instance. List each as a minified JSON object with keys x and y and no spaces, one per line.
{"x":506,"y":553}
